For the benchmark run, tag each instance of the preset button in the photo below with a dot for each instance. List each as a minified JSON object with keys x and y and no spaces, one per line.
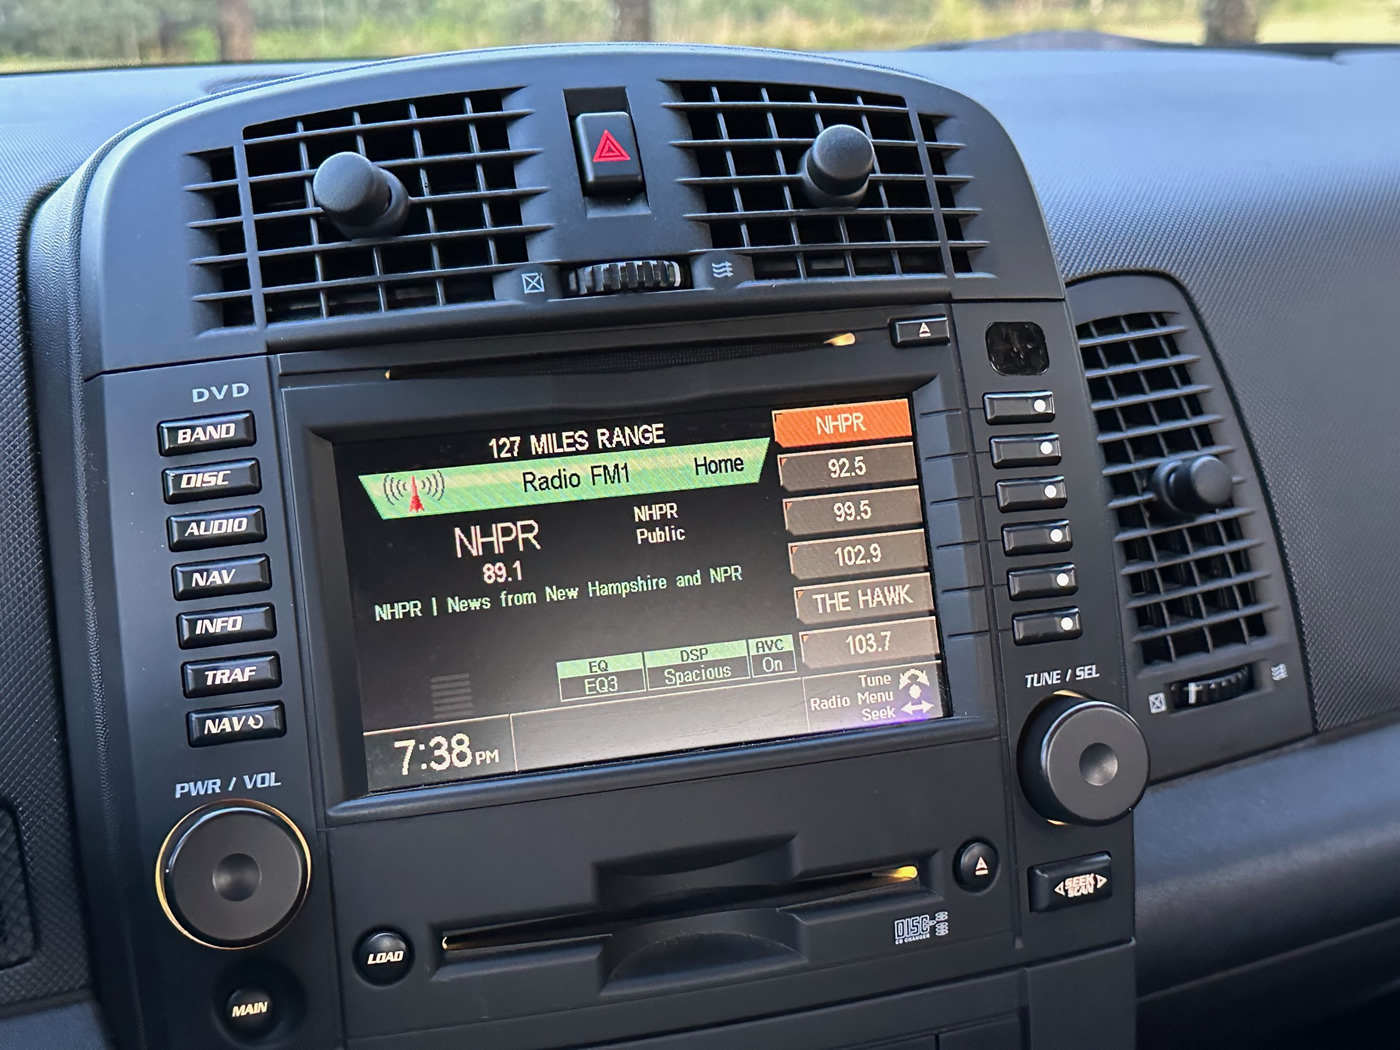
{"x":1043,"y":581}
{"x":1031,"y":450}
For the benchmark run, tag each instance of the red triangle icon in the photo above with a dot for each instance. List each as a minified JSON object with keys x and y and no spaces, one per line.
{"x":609,"y":149}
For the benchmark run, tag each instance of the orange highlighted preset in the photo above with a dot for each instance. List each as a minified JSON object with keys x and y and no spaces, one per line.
{"x":842,"y":424}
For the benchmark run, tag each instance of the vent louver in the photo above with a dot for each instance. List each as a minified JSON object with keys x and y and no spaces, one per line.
{"x":452,"y":152}
{"x":221,"y":258}
{"x":1191,"y":587}
{"x":747,"y":141}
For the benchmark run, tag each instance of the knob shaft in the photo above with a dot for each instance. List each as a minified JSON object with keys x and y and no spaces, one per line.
{"x":1083,"y":761}
{"x":836,"y":169}
{"x":233,"y":874}
{"x":1192,"y":486}
{"x":361,"y":198}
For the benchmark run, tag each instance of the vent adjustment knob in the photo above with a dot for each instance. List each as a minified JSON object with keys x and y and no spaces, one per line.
{"x":1193,"y":486}
{"x":836,"y":169}
{"x":360,"y":197}
{"x":1082,"y":761}
{"x":633,"y":275}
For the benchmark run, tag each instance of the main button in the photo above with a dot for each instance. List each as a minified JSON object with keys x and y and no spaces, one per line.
{"x":1030,"y":450}
{"x":1039,"y":537}
{"x":1067,"y":883}
{"x":842,"y":424}
{"x":233,"y":675}
{"x":211,"y":480}
{"x":230,"y":724}
{"x":216,"y":528}
{"x":921,"y":330}
{"x":1058,"y":625}
{"x":206,"y":434}
{"x":1035,"y":406}
{"x":1043,"y":581}
{"x":847,"y":468}
{"x":250,"y":1012}
{"x":222,"y":626}
{"x":212,"y":579}
{"x":1031,"y":494}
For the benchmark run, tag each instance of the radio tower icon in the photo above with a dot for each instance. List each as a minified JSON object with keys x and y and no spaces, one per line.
{"x":413,"y":488}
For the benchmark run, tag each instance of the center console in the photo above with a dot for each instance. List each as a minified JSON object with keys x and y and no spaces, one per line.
{"x":585,"y":547}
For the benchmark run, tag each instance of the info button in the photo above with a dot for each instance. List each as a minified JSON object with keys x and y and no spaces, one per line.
{"x":842,"y":424}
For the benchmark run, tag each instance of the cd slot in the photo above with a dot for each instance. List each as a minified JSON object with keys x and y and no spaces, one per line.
{"x":706,"y":912}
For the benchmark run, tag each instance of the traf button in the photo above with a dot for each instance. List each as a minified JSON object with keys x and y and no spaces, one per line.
{"x":607,"y":154}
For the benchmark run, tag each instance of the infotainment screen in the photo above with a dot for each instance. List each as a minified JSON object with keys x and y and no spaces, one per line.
{"x":554,"y":595}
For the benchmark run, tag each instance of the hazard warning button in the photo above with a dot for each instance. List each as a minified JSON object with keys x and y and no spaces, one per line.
{"x":607,"y":154}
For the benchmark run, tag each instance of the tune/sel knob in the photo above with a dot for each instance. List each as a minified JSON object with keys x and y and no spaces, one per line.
{"x":1082,"y":761}
{"x":233,"y":874}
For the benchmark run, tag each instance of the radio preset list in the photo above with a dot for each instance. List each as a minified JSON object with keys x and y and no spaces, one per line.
{"x":769,"y":568}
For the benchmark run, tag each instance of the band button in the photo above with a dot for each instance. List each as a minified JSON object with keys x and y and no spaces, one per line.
{"x":206,"y":434}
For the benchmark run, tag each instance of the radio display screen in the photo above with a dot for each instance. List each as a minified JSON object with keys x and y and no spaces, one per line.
{"x":543,"y":597}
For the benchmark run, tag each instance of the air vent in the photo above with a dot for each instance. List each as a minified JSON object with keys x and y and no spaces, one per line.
{"x":221,"y":258}
{"x":1191,"y":585}
{"x":453,"y":153}
{"x":747,"y":141}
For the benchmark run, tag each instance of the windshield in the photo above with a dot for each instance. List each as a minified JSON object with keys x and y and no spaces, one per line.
{"x":53,"y":34}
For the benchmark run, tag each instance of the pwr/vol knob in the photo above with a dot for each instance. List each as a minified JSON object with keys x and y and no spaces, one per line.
{"x":233,"y":874}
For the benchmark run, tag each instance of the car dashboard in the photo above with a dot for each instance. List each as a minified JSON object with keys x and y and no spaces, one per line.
{"x":677,"y":547}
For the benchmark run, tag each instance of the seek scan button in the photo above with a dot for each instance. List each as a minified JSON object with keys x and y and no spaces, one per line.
{"x":225,"y":725}
{"x":607,"y":154}
{"x":842,"y":424}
